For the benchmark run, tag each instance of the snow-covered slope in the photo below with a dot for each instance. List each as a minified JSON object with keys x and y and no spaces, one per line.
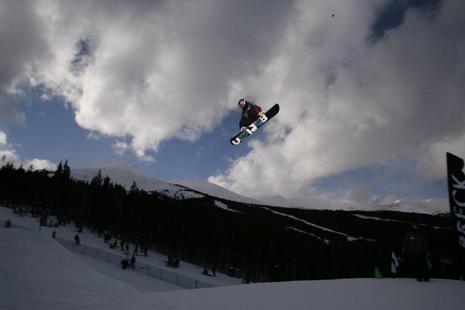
{"x":37,"y":273}
{"x":342,"y":294}
{"x":125,"y":175}
{"x":216,"y":191}
{"x":103,"y":259}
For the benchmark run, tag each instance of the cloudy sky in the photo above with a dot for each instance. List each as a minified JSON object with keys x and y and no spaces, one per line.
{"x":371,"y":92}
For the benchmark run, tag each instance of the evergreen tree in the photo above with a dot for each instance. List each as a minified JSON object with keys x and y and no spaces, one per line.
{"x":107,"y":182}
{"x":134,"y":189}
{"x":59,"y":171}
{"x":97,"y":180}
{"x":66,"y":171}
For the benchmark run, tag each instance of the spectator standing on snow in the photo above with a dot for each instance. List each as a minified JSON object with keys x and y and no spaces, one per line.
{"x":415,"y":248}
{"x":8,"y":223}
{"x":125,"y":262}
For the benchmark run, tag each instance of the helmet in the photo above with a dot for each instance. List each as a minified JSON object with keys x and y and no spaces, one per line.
{"x":239,"y":102}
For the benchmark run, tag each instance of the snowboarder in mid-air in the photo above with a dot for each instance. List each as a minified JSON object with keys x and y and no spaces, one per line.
{"x":252,"y":118}
{"x":250,"y":113}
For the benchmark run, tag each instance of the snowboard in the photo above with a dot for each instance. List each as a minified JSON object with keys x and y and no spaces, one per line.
{"x":259,"y":122}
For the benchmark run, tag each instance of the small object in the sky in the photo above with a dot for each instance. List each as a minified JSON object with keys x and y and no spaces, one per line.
{"x":332,"y":15}
{"x":255,"y":125}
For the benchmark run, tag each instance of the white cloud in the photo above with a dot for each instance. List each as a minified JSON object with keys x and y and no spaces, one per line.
{"x":8,"y":155}
{"x":3,"y":138}
{"x":120,"y":147}
{"x":432,"y":162}
{"x":40,"y":164}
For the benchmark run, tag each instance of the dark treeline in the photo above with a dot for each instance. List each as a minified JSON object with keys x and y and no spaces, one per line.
{"x":253,"y":242}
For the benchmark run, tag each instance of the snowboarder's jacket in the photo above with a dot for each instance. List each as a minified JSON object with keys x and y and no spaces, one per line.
{"x":249,"y":114}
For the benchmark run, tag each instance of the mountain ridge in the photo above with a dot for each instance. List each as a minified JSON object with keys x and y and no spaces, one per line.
{"x":125,"y":175}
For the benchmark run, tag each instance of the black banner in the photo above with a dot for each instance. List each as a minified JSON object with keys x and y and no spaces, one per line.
{"x":456,"y":180}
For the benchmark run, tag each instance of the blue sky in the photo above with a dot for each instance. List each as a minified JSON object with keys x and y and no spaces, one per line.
{"x":368,"y":101}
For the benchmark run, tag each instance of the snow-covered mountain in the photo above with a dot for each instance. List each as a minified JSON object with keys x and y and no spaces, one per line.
{"x":125,"y":175}
{"x":426,"y":206}
{"x":216,"y":191}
